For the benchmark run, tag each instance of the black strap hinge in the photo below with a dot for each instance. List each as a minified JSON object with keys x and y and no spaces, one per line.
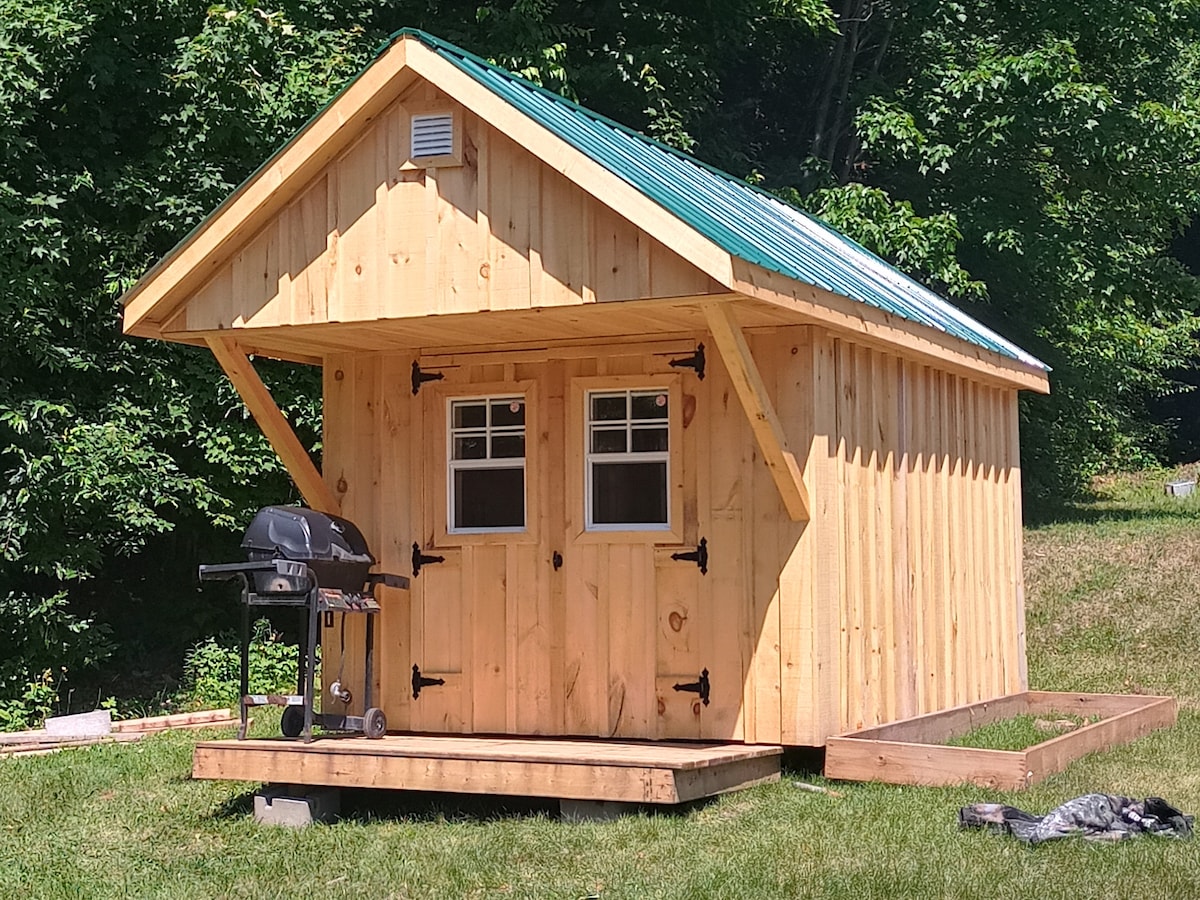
{"x":695,"y":361}
{"x":700,"y":687}
{"x":419,"y":377}
{"x":420,"y":681}
{"x":699,"y":556}
{"x":420,"y":559}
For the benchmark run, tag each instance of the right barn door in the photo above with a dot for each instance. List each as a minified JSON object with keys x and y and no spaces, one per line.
{"x":699,"y":677}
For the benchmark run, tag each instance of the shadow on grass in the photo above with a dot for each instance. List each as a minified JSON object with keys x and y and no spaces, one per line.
{"x":1096,"y":511}
{"x":367,"y":806}
{"x":236,"y":807}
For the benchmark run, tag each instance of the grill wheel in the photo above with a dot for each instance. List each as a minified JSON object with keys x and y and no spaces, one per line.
{"x":374,"y":723}
{"x":292,"y":722}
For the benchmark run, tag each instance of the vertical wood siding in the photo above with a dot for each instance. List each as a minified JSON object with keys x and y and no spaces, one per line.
{"x":368,"y":239}
{"x":901,"y":596}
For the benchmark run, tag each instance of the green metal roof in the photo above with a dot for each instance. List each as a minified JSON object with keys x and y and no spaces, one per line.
{"x":743,"y":220}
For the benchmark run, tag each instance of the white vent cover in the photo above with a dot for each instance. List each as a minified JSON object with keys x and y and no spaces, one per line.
{"x":432,"y":135}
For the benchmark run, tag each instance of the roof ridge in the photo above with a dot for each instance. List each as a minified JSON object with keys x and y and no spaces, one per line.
{"x":932,"y":309}
{"x":438,"y":43}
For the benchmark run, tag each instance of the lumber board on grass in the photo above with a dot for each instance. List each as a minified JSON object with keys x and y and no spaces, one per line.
{"x":204,"y":717}
{"x":910,"y":752}
{"x":1056,"y":754}
{"x":938,"y":727}
{"x":53,"y":745}
{"x":1104,"y":705}
{"x":897,"y":762}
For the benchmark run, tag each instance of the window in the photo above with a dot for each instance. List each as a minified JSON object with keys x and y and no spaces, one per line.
{"x":628,"y":458}
{"x":486,"y":481}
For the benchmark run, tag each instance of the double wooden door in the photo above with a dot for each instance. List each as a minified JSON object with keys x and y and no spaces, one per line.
{"x":554,"y":630}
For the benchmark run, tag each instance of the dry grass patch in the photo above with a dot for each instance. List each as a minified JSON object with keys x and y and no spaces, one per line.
{"x":1114,"y":593}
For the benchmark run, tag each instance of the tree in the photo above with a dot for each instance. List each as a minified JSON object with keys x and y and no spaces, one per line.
{"x":1064,"y":144}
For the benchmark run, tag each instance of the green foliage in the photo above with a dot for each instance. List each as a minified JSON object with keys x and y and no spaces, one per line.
{"x":1066,"y":146}
{"x":1035,"y":164}
{"x":30,"y":706}
{"x":212,"y":669}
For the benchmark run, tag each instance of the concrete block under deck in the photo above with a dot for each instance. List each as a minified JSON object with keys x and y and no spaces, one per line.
{"x":624,"y":771}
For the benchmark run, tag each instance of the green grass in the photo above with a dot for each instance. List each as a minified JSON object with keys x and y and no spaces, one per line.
{"x":1113,"y":605}
{"x":1019,"y":732}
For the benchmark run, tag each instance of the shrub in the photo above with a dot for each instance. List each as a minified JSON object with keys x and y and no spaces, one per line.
{"x":212,"y":668}
{"x":32,"y":706}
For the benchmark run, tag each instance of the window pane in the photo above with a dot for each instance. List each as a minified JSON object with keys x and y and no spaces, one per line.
{"x":508,"y":446}
{"x":470,"y":415}
{"x":504,"y":414}
{"x":650,"y":406}
{"x":489,"y":498}
{"x":608,"y":407}
{"x":649,"y":440}
{"x":629,"y":493}
{"x":471,"y":446}
{"x":608,"y":440}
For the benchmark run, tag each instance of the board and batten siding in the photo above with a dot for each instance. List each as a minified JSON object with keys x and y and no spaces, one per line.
{"x":901,"y":596}
{"x":369,"y":239}
{"x":919,"y":520}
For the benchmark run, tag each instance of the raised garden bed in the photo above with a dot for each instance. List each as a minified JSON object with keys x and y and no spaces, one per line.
{"x":915,"y":751}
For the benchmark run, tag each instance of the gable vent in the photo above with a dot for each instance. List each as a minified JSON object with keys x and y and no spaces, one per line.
{"x":432,"y":135}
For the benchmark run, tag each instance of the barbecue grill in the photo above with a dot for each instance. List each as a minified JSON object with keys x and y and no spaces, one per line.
{"x":321,"y":564}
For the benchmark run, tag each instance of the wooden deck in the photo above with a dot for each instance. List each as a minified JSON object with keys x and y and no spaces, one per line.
{"x":634,"y":772}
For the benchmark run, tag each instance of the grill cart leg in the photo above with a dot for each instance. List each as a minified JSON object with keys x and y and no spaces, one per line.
{"x":370,"y":663}
{"x":310,"y":652}
{"x":245,"y":674}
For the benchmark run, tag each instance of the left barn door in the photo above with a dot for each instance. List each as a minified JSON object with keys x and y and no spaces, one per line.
{"x":479,"y":548}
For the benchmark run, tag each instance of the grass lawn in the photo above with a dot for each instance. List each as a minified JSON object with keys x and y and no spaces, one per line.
{"x":1114,"y":605}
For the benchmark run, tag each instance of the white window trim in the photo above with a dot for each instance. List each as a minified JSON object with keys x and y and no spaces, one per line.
{"x":629,"y":456}
{"x":506,"y":462}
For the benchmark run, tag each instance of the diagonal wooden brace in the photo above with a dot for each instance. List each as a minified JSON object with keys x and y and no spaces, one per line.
{"x":764,"y":422}
{"x":274,"y":426}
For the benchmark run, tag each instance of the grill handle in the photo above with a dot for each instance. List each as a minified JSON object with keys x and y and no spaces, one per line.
{"x":228,"y":571}
{"x":388,"y":580}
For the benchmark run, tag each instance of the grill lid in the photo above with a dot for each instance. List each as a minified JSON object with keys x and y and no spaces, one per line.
{"x":305,"y":534}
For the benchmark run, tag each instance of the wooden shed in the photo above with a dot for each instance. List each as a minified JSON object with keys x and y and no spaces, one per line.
{"x":643,"y":427}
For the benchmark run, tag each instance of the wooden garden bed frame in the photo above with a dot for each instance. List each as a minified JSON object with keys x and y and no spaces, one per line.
{"x":913,"y":751}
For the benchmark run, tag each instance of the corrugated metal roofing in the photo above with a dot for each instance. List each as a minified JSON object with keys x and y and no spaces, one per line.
{"x":743,"y":220}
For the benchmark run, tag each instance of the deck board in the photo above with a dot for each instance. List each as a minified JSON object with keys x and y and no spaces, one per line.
{"x":628,"y":771}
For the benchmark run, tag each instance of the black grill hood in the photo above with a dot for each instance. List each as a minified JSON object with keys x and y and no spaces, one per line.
{"x":293,"y":532}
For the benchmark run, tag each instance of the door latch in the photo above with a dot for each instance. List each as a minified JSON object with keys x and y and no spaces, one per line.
{"x":697,"y":687}
{"x":699,"y":556}
{"x":420,"y":559}
{"x":420,"y":681}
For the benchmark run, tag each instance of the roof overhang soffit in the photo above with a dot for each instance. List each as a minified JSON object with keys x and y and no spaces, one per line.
{"x":870,"y":326}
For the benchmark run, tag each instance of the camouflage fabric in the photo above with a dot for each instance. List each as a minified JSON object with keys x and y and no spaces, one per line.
{"x":1097,"y":817}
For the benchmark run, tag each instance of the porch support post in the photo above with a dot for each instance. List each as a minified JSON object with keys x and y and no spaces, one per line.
{"x":764,"y":422}
{"x":275,"y":428}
